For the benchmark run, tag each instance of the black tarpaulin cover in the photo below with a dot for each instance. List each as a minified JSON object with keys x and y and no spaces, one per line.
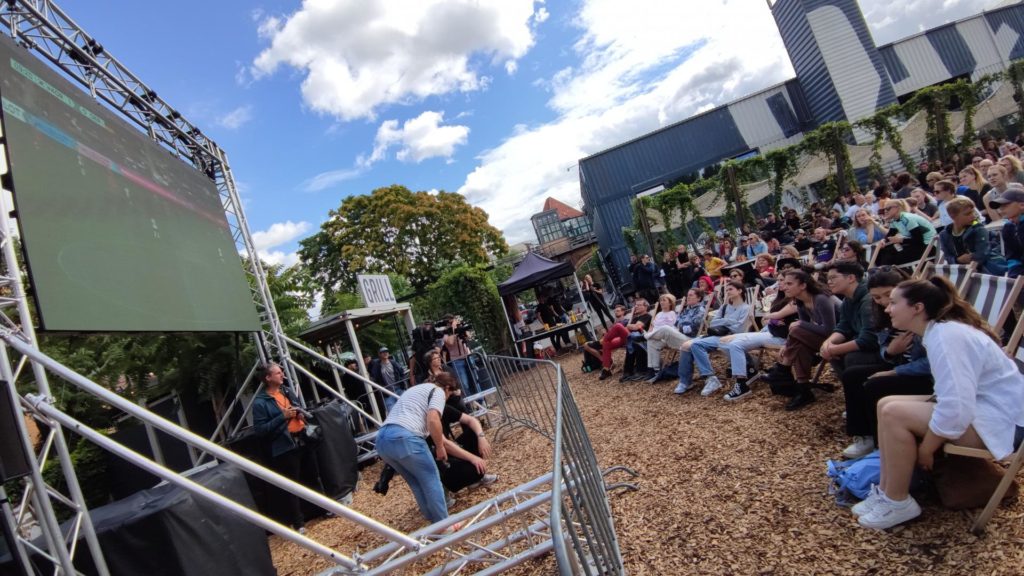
{"x":166,"y":531}
{"x":532,"y":271}
{"x":337,"y":455}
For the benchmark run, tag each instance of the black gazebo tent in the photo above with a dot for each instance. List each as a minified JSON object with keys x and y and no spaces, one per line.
{"x":533,"y":271}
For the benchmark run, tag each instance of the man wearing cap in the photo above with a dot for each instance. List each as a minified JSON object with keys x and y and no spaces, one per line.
{"x":388,"y":374}
{"x":1010,"y":205}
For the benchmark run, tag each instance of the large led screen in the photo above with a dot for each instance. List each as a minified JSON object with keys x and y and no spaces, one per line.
{"x":119,"y":234}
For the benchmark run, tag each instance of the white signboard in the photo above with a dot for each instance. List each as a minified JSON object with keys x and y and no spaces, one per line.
{"x":375,"y":290}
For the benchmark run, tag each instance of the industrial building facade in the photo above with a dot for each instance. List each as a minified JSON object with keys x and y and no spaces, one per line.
{"x":841,"y":75}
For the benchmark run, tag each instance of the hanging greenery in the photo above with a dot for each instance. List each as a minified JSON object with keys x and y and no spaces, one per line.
{"x":830,"y":141}
{"x":934,"y":102}
{"x":1015,"y":75}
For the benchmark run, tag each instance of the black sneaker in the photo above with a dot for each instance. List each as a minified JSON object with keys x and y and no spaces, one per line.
{"x":605,"y":374}
{"x":625,"y":376}
{"x":802,"y":398}
{"x":739,"y":391}
{"x":653,"y":379}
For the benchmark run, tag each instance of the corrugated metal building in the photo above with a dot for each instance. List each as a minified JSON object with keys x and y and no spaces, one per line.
{"x":841,"y":75}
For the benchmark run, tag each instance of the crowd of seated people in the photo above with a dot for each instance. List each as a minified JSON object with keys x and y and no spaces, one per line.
{"x":877,"y":326}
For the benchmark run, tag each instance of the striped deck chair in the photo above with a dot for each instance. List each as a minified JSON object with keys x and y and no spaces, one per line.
{"x":993,"y":297}
{"x":958,"y":274}
{"x":1015,"y":460}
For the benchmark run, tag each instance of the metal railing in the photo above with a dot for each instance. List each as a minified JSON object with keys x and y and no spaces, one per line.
{"x":535,"y":394}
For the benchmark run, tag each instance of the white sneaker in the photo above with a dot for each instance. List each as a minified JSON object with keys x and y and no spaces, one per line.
{"x":862,"y":446}
{"x":486,"y":480}
{"x":866,"y":505}
{"x":681,"y":388}
{"x":886,"y":513}
{"x":711,"y":386}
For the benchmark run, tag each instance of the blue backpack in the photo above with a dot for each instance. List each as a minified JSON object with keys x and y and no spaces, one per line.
{"x":852,"y":479}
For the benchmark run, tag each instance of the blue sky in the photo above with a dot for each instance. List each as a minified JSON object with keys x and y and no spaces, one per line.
{"x":497,"y":100}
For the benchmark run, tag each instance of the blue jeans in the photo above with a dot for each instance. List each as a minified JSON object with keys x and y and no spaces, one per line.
{"x":462,"y":372}
{"x":742,"y":343}
{"x":698,"y":352}
{"x":411,"y":457}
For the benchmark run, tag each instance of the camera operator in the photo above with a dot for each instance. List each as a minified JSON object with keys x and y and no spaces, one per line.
{"x":455,"y":348}
{"x":278,"y":422}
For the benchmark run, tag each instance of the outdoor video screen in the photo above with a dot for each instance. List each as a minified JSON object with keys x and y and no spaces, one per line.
{"x":119,"y":234}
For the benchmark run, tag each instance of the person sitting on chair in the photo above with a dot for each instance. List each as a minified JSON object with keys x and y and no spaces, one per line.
{"x":618,"y":335}
{"x":977,"y":401}
{"x":908,"y":237}
{"x":664,"y":319}
{"x":965,"y":240}
{"x":730,"y":319}
{"x":688,"y":322}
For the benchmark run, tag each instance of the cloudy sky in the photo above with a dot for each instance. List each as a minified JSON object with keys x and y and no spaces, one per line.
{"x":495,"y":99}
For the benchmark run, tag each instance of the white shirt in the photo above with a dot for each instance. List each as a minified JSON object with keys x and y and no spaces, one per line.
{"x":976,"y":384}
{"x":851,"y":212}
{"x":410,"y":412}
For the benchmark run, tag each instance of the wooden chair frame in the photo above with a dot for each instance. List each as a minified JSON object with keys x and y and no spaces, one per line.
{"x":1014,"y":350}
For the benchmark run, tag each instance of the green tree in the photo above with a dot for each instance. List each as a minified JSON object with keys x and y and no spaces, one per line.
{"x":394,"y":230}
{"x":470,"y":292}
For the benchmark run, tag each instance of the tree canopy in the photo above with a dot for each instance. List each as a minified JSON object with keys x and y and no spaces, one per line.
{"x":417,"y":235}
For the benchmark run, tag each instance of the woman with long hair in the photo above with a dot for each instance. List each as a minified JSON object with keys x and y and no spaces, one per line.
{"x":902,"y":367}
{"x":729,"y":319}
{"x":594,"y":296}
{"x":816,"y":311}
{"x":974,"y":186}
{"x":977,"y":402}
{"x":852,"y":251}
{"x":997,"y":177}
{"x":866,"y":228}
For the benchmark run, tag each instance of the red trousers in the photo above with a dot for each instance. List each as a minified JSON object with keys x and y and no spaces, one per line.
{"x":615,"y":338}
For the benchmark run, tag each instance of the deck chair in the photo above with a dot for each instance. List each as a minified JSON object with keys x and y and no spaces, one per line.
{"x":993,"y":297}
{"x":916,"y":268}
{"x":958,"y":274}
{"x":1013,"y":464}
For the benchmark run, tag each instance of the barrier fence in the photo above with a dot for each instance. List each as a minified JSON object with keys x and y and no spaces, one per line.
{"x":535,"y":394}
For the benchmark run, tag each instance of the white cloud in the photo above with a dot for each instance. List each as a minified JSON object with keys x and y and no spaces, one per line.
{"x":274,"y":257}
{"x":360,"y":54}
{"x":894,"y":20}
{"x":279,"y":233}
{"x":418,"y":139}
{"x":236,"y":118}
{"x":637,"y":74}
{"x":325,"y":180}
{"x":633,"y":75}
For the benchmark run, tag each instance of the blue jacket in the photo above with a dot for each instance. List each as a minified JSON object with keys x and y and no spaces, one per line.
{"x":916,"y":365}
{"x":269,"y":423}
{"x":975,"y":240}
{"x":1013,"y":241}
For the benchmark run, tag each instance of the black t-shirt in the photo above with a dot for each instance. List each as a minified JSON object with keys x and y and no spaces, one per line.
{"x":645,"y":318}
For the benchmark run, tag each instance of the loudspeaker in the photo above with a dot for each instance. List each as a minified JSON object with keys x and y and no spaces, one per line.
{"x":14,"y":462}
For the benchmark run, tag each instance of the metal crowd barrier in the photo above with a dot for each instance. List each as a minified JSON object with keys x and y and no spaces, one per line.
{"x":534,"y":394}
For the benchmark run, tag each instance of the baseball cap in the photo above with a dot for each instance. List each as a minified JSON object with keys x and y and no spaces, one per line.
{"x":1012,"y":194}
{"x":383,"y":349}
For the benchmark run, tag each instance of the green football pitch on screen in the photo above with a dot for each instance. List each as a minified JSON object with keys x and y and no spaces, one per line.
{"x":119,"y":235}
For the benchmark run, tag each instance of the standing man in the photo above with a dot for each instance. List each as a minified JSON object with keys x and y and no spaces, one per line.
{"x":458,"y":355}
{"x":278,"y":422}
{"x":644,"y":279}
{"x":388,"y":374}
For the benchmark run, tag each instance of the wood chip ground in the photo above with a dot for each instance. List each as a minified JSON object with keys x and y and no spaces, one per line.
{"x":725,"y":488}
